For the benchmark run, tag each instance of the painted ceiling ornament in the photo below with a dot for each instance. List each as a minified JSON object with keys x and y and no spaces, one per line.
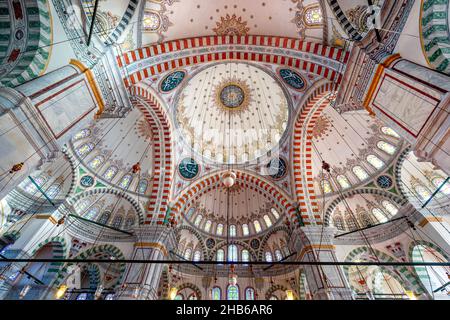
{"x":293,"y":79}
{"x":231,"y":26}
{"x":172,"y":80}
{"x":321,"y":127}
{"x":188,"y":168}
{"x":144,"y":129}
{"x":151,"y":21}
{"x":358,"y":18}
{"x":232,"y":95}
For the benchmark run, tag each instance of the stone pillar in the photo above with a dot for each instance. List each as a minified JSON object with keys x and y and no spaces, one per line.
{"x":414,"y":101}
{"x":315,"y":243}
{"x":142,"y":279}
{"x":40,"y":116}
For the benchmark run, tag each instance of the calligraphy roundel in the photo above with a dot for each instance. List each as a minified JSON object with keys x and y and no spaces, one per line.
{"x":292,"y":79}
{"x":172,"y":80}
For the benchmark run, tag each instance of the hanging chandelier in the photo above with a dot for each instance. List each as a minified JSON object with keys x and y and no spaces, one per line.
{"x":232,"y":277}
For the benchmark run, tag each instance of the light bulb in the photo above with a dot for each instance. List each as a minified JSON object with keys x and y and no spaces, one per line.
{"x":289,"y":295}
{"x":173,"y":293}
{"x":61,"y":291}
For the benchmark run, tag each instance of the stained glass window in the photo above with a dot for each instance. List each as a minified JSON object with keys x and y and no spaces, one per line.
{"x":313,"y":16}
{"x":422,"y":192}
{"x":82,"y":296}
{"x":375,"y":161}
{"x":338,"y":222}
{"x":232,"y":253}
{"x":216,"y":293}
{"x":179,"y":297}
{"x":365,"y":219}
{"x":190,"y":212}
{"x":187,"y":253}
{"x":81,"y":134}
{"x":275,"y":213}
{"x":220,"y":255}
{"x":438,"y":181}
{"x":219,"y":229}
{"x":389,"y":132}
{"x":96,"y":162}
{"x":389,"y":207}
{"x":197,"y":255}
{"x":142,"y":186}
{"x":351,"y":223}
{"x":232,"y":230}
{"x":53,"y":191}
{"x":257,"y":226}
{"x":92,"y":213}
{"x":232,"y":292}
{"x":386,"y":147}
{"x":198,"y":219}
{"x":110,"y":173}
{"x":117,"y":222}
{"x":151,"y":21}
{"x":360,"y":173}
{"x":245,"y":255}
{"x":104,"y":218}
{"x":268,"y":256}
{"x":278,"y":255}
{"x":84,"y":149}
{"x":267,"y":221}
{"x":379,"y":215}
{"x":126,"y":180}
{"x":245,"y":230}
{"x":326,"y":186}
{"x":208,"y":225}
{"x":343,"y":181}
{"x":129,"y":222}
{"x":109,"y":296}
{"x":249,"y":294}
{"x":81,"y":205}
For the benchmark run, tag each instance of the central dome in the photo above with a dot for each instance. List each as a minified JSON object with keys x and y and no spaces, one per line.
{"x":232,"y":112}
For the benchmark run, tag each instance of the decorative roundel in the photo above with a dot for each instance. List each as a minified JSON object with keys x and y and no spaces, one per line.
{"x":172,"y":80}
{"x":87,"y":181}
{"x":188,"y":168}
{"x":384,"y":181}
{"x":232,"y":96}
{"x":277,"y":168}
{"x":254,"y":244}
{"x":292,"y":78}
{"x":210,"y":243}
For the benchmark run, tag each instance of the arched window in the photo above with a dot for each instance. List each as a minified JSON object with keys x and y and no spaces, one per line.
{"x":386,"y":147}
{"x":104,"y":218}
{"x":257,"y":226}
{"x":326,"y":186}
{"x":268,"y":256}
{"x":81,"y":134}
{"x":438,"y":181}
{"x":249,"y":294}
{"x":338,"y":222}
{"x":351,"y":223}
{"x":84,"y":149}
{"x":422,"y":192}
{"x":389,"y":207}
{"x":375,"y":161}
{"x":126,"y":180}
{"x":365,"y":219}
{"x":129,"y":222}
{"x":142,"y":186}
{"x":389,"y":132}
{"x":96,"y":162}
{"x":110,"y":173}
{"x":267,"y":221}
{"x":179,"y":296}
{"x":343,"y":181}
{"x":190,"y":213}
{"x":216,"y":293}
{"x":197,"y":255}
{"x":220,"y":256}
{"x":245,"y":255}
{"x":187,"y":254}
{"x":192,"y":296}
{"x":278,"y":255}
{"x":117,"y":222}
{"x":360,"y":173}
{"x":109,"y":296}
{"x":40,"y":181}
{"x":232,"y":230}
{"x":313,"y":16}
{"x":245,"y":230}
{"x":232,"y":253}
{"x":198,"y":219}
{"x":92,"y":213}
{"x":232,"y":292}
{"x":53,"y":191}
{"x":275,"y":213}
{"x":272,"y":297}
{"x":219,"y":229}
{"x":82,"y":296}
{"x":82,"y":205}
{"x":379,"y":215}
{"x":208,"y":225}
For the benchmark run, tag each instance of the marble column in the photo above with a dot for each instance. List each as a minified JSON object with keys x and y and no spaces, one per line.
{"x":314,"y":244}
{"x":142,"y":279}
{"x":40,"y":116}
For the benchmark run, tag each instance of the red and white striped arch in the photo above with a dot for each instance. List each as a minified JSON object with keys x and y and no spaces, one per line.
{"x":277,"y":50}
{"x":156,"y":116}
{"x":248,"y":180}
{"x":302,"y":153}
